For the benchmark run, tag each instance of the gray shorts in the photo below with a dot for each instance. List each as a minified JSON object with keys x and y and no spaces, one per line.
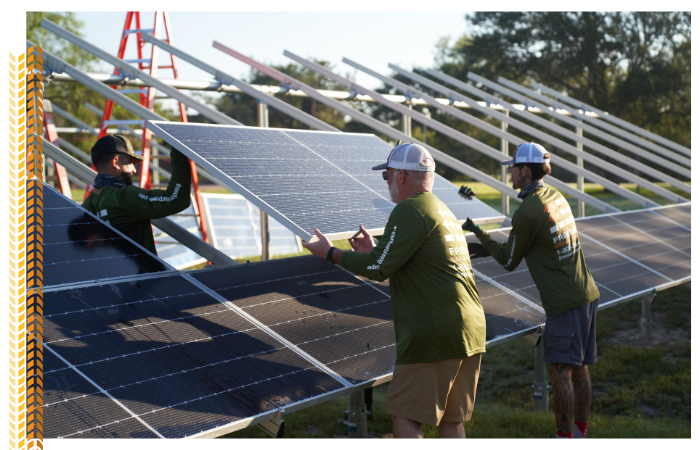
{"x":569,"y":338}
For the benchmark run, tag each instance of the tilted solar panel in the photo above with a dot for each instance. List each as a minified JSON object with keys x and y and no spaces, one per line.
{"x":626,"y":253}
{"x":306,"y":179}
{"x":234,"y":227}
{"x":163,"y":356}
{"x":159,"y":357}
{"x":80,"y":248}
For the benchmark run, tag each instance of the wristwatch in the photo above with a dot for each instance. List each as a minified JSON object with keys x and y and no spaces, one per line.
{"x":329,"y":257}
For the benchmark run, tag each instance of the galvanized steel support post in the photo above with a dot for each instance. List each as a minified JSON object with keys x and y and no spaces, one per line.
{"x":264,"y":122}
{"x":426,"y":111}
{"x":541,"y":386}
{"x":357,"y":415}
{"x":645,"y":323}
{"x":407,"y":122}
{"x":579,"y":178}
{"x":505,"y":202}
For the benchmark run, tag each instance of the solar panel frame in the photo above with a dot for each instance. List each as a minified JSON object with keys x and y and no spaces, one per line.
{"x":47,"y":288}
{"x":235,"y":186}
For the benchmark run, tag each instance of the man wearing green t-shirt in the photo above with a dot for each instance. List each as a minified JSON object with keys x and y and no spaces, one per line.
{"x":439,"y":322}
{"x":544,"y":233}
{"x":126,"y":207}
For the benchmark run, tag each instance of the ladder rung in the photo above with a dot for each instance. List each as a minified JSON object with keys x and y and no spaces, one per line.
{"x":139,"y":30}
{"x":142,"y":60}
{"x":160,"y":157}
{"x":165,"y":67}
{"x":186,"y":215}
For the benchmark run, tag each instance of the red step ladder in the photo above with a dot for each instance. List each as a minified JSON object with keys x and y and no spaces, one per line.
{"x":147,"y":97}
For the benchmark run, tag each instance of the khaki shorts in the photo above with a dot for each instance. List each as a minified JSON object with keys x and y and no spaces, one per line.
{"x":434,"y":391}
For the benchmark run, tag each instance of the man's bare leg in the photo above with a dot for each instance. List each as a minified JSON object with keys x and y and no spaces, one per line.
{"x":406,"y":428}
{"x":451,"y":430}
{"x":560,"y":376}
{"x":582,"y":393}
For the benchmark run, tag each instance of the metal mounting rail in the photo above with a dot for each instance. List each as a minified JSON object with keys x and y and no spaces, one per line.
{"x":213,"y":85}
{"x":550,"y":139}
{"x":178,"y":233}
{"x":610,"y":118}
{"x":126,"y":69}
{"x":471,"y":142}
{"x":579,"y":124}
{"x":382,"y":128}
{"x":544,"y":137}
{"x":593,"y":130}
{"x":245,"y":87}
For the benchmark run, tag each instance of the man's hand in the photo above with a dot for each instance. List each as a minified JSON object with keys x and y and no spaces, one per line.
{"x":363,"y":244}
{"x":469,"y":225}
{"x":466,"y":192}
{"x":318,"y":245}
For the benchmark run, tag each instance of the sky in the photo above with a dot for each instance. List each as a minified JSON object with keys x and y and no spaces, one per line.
{"x":372,"y":39}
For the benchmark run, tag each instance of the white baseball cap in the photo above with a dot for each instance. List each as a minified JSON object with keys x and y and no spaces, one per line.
{"x":408,"y":157}
{"x":526,"y":153}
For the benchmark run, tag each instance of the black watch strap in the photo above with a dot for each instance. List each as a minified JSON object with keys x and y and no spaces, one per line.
{"x":329,"y":257}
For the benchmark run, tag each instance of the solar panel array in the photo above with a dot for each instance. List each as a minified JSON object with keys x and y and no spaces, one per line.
{"x":79,"y":247}
{"x":305,"y":179}
{"x":626,"y":253}
{"x":163,"y":356}
{"x":234,"y":225}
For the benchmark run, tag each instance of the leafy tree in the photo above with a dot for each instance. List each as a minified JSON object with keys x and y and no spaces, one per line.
{"x":634,"y":65}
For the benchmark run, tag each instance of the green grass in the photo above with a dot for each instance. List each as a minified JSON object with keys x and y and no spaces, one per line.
{"x":640,"y":390}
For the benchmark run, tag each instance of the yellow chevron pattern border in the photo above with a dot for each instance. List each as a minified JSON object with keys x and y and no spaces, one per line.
{"x":35,"y":248}
{"x":18,"y":323}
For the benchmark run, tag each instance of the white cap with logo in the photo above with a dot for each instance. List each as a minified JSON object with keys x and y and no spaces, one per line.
{"x":408,"y":157}
{"x":526,"y":153}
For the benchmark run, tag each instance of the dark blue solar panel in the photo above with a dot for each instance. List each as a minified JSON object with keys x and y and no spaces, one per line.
{"x":313,"y":179}
{"x":80,"y":248}
{"x":170,"y":354}
{"x":625,"y":253}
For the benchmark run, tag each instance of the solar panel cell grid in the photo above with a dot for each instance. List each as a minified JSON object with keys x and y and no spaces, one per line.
{"x":79,"y":248}
{"x":170,"y":353}
{"x":679,"y":214}
{"x":305,"y":180}
{"x":320,"y":308}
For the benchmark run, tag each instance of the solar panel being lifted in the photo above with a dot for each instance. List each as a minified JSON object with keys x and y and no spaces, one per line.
{"x":626,"y":253}
{"x":80,"y":248}
{"x":306,"y":179}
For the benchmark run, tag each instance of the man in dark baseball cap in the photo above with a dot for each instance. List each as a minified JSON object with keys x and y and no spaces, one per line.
{"x":126,"y":207}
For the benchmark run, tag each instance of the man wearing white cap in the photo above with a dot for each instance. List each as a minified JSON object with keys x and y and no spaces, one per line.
{"x":438,"y":319}
{"x":544,"y":233}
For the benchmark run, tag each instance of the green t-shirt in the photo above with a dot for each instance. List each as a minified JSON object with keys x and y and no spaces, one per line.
{"x":544,"y":233}
{"x":434,"y":299}
{"x":130,"y":209}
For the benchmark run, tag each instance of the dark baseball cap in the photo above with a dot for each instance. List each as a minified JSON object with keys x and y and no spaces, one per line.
{"x":114,"y":143}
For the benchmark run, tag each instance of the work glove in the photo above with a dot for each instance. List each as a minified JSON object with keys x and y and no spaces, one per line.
{"x":476,"y":250}
{"x":466,"y":192}
{"x":469,"y":225}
